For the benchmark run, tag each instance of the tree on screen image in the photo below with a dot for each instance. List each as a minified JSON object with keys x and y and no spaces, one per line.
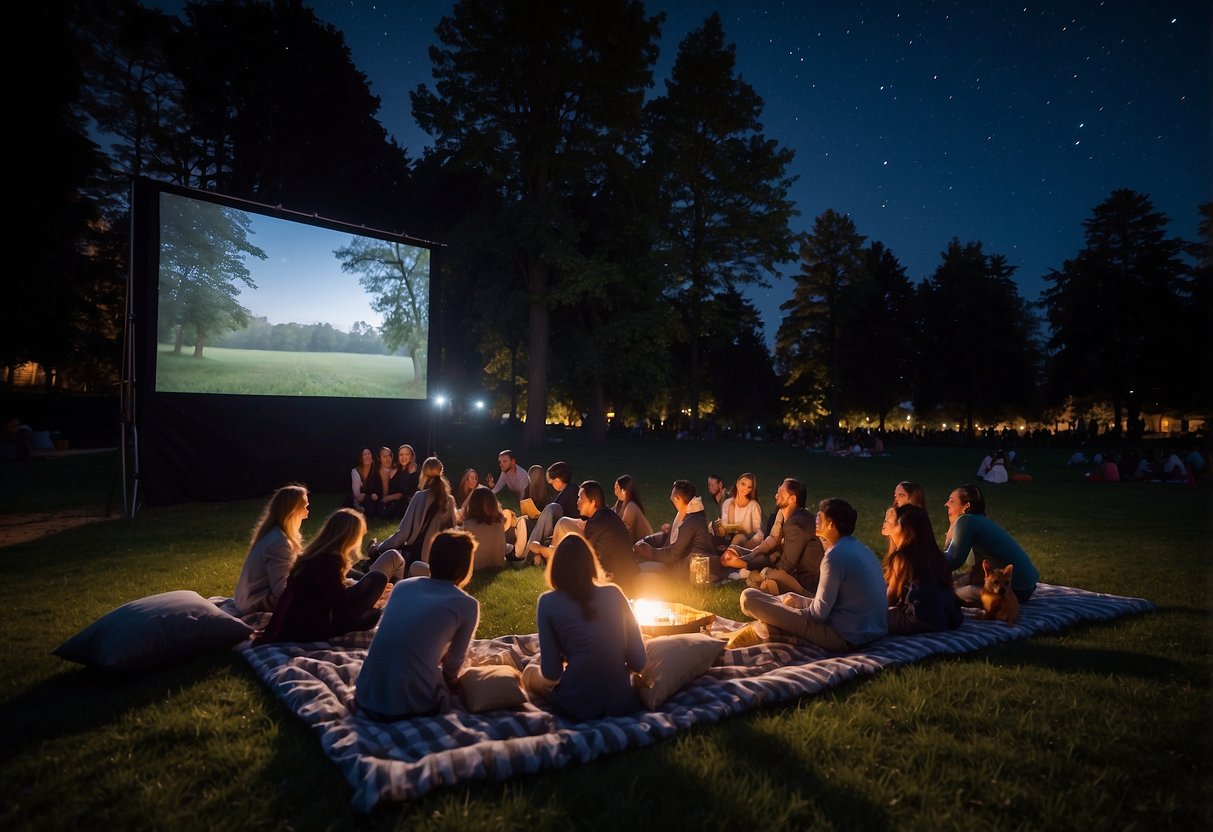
{"x":397,"y":276}
{"x":202,"y":251}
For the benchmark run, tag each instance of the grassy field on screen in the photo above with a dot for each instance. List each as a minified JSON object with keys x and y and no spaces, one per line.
{"x":277,"y":373}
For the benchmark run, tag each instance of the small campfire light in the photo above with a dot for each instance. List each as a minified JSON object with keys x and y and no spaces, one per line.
{"x":661,"y":618}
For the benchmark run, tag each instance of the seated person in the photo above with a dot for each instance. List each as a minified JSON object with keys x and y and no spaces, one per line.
{"x":921,"y":599}
{"x":359,"y":475}
{"x":972,"y":531}
{"x":317,"y":603}
{"x":559,"y":475}
{"x":605,"y":532}
{"x":718,"y":493}
{"x":512,"y":477}
{"x":1145,"y":467}
{"x":793,"y":563}
{"x":1196,"y":462}
{"x":589,"y":641}
{"x":385,"y":489}
{"x":1174,"y":468}
{"x":1108,"y":471}
{"x":630,"y":508}
{"x":409,"y":476}
{"x":469,"y":480}
{"x":431,"y":511}
{"x":276,"y":541}
{"x":996,"y":472}
{"x":418,"y":651}
{"x":740,"y":522}
{"x":909,"y":492}
{"x":498,"y":532}
{"x":688,"y":535}
{"x":849,"y":608}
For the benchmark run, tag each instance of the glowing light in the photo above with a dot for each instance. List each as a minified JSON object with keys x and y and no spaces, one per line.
{"x":439,"y":401}
{"x":479,"y":404}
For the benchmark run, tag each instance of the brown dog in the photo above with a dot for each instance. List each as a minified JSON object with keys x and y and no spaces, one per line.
{"x":997,"y":599}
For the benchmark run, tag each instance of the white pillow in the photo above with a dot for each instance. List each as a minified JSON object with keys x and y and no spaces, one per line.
{"x":154,"y":631}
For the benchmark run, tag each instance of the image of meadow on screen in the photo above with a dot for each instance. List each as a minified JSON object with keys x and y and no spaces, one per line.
{"x":250,"y":304}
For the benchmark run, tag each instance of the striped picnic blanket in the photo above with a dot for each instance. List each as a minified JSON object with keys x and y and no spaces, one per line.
{"x":407,"y":759}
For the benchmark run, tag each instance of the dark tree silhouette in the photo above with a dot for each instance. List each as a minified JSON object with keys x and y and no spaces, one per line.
{"x":723,"y":184}
{"x":880,"y":345}
{"x":537,"y":96}
{"x":979,"y":339}
{"x":809,"y":344}
{"x":1115,"y":309}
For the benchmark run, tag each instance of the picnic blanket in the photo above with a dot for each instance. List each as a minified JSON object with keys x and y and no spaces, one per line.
{"x":407,"y":759}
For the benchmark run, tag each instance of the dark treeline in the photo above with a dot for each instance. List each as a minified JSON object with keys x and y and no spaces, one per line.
{"x":597,"y":242}
{"x":293,"y":337}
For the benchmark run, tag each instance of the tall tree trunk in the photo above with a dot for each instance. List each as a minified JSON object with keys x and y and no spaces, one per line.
{"x":537,"y":368}
{"x":597,"y":416}
{"x":514,"y":383}
{"x":694,"y":368}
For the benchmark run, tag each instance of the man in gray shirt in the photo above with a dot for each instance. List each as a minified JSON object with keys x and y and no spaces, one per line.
{"x":512,"y":476}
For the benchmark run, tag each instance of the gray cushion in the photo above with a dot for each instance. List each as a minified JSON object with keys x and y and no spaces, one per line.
{"x":154,"y":631}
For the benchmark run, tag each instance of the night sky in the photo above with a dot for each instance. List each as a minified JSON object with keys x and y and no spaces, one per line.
{"x":992,"y":121}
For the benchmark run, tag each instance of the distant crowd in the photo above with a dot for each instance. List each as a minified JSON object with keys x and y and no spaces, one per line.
{"x":801,"y":572}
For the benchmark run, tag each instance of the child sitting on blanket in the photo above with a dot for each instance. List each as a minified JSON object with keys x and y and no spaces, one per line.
{"x":417,"y":653}
{"x":589,"y":641}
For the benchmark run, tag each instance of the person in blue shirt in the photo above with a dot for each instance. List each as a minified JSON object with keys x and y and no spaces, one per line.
{"x":971,"y":531}
{"x":589,"y":641}
{"x":850,"y":607}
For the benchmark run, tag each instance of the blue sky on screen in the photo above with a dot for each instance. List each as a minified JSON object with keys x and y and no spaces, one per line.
{"x":301,"y":281}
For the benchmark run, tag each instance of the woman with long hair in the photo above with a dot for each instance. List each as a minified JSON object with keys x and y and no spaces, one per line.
{"x":740,"y":521}
{"x":360,"y":474}
{"x":275,"y":543}
{"x":384,"y":495}
{"x":921,"y":599}
{"x":468,"y":482}
{"x":431,"y":510}
{"x":419,"y":650}
{"x":589,"y":641}
{"x":317,"y":604}
{"x":537,"y":491}
{"x":410,"y":473}
{"x":909,"y":492}
{"x":630,"y":508}
{"x":492,"y":527}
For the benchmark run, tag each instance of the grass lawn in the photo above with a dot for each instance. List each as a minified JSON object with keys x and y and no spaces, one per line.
{"x":1103,"y":726}
{"x":281,"y":373}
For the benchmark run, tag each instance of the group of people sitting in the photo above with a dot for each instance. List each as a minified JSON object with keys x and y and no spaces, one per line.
{"x":807,"y":576}
{"x":1148,"y":466}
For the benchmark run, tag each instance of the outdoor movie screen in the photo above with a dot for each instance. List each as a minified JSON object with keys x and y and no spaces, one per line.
{"x":252,"y":304}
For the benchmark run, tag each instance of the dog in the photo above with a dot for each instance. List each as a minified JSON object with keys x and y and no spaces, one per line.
{"x":997,"y":598}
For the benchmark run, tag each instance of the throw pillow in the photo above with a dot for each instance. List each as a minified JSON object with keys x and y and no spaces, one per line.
{"x":154,"y":631}
{"x":673,"y":661}
{"x":491,"y":687}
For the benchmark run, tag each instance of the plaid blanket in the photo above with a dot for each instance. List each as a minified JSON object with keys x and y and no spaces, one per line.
{"x":407,"y":759}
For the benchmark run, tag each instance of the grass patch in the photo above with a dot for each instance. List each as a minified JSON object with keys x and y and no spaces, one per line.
{"x":1102,"y":726}
{"x":281,"y":373}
